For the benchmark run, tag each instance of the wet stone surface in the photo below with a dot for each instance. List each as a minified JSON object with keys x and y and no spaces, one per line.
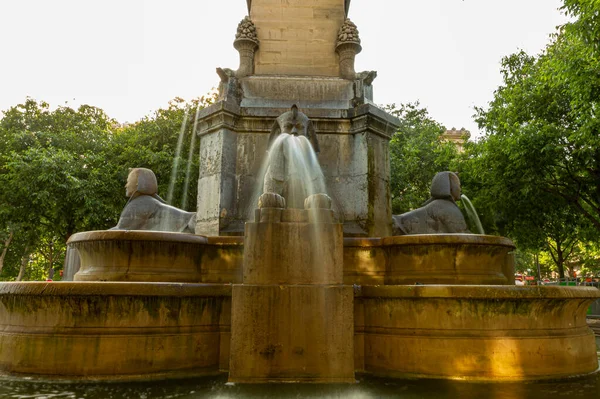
{"x":587,"y":387}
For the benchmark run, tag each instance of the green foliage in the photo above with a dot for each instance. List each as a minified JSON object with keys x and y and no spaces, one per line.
{"x":538,"y":166}
{"x":63,"y":171}
{"x":416,"y":155}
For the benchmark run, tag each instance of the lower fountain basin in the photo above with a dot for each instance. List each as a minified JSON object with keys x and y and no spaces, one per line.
{"x":114,"y":331}
{"x":475,"y":332}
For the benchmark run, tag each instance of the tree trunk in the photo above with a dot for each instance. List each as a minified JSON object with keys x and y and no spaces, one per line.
{"x":5,"y":250}
{"x":24,"y":262}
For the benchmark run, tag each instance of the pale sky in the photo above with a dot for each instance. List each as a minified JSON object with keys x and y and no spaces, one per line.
{"x":130,"y":57}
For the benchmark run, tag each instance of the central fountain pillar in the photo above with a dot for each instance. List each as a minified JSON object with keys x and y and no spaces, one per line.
{"x":292,"y":318}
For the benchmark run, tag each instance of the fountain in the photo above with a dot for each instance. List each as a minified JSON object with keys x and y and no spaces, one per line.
{"x":283,"y":288}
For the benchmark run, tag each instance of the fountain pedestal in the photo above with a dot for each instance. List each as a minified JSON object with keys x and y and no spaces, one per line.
{"x":292,"y":319}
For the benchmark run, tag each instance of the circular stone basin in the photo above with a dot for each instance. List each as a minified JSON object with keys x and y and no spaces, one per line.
{"x":128,"y":255}
{"x":113,"y":330}
{"x":476,"y":332}
{"x":449,"y":259}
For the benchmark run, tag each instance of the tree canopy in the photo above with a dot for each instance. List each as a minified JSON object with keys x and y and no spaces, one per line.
{"x":63,"y":170}
{"x":538,"y":165}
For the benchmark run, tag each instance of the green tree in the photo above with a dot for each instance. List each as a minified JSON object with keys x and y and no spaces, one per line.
{"x":538,"y":166}
{"x":49,"y":164}
{"x":63,"y":171}
{"x":417,"y":153}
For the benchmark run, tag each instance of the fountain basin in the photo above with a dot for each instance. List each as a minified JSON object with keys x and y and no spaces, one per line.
{"x":128,"y":255}
{"x":475,"y":332}
{"x":449,"y":259}
{"x":429,"y":259}
{"x":115,"y":331}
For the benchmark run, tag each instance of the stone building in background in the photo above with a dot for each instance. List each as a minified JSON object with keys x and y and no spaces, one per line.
{"x":458,"y":137}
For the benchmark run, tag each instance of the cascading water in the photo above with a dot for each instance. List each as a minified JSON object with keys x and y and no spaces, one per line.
{"x":472,"y":214}
{"x":175,"y":167}
{"x":293,"y":170}
{"x":189,"y":161}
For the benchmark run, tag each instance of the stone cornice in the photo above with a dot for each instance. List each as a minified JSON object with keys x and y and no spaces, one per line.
{"x":365,"y":118}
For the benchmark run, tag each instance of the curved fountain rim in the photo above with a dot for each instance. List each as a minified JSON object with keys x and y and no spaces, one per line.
{"x":136,"y":235}
{"x":113,"y":288}
{"x":489,"y":292}
{"x":456,"y":239}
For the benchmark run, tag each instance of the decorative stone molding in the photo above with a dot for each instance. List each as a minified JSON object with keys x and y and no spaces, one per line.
{"x":348,"y":45}
{"x":363,"y":87}
{"x":246,"y":43}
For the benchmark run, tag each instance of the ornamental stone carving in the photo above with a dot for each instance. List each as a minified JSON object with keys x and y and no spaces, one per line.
{"x":246,"y":43}
{"x":348,"y":45}
{"x":439,"y":215}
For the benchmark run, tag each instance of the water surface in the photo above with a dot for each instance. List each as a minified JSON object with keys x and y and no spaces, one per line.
{"x":587,"y":387}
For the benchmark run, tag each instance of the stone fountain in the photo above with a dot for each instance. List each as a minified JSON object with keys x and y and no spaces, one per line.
{"x":273,"y":289}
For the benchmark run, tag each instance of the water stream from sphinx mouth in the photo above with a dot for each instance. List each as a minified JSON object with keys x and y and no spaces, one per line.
{"x":188,"y":170}
{"x":472,"y":214}
{"x":302,"y":171}
{"x":175,"y":167}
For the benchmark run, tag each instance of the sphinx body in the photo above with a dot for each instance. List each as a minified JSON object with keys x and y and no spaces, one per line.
{"x":439,"y":215}
{"x":145,"y":210}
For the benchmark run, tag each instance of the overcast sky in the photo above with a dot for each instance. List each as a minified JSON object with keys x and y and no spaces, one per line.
{"x":130,"y":57}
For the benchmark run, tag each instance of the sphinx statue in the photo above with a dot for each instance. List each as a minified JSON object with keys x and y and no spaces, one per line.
{"x":293,"y":170}
{"x":145,"y":210}
{"x":439,"y":214}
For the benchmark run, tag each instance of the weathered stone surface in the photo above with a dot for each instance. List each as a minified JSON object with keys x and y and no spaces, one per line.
{"x":292,"y":334}
{"x":112,"y":331}
{"x":293,"y":253}
{"x":449,"y":259}
{"x":114,"y":255}
{"x":354,"y":158}
{"x":477,"y":333}
{"x":364,"y":261}
{"x":297,"y":38}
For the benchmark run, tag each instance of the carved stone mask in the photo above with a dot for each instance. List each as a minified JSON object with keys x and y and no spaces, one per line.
{"x":295,"y":123}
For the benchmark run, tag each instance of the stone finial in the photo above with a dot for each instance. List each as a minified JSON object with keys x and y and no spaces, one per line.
{"x":348,"y":33}
{"x":246,"y":30}
{"x":246,"y":43}
{"x":348,"y":45}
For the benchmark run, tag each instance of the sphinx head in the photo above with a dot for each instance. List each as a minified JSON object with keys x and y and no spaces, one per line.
{"x":141,"y":181}
{"x":294,"y":122}
{"x":446,"y":185}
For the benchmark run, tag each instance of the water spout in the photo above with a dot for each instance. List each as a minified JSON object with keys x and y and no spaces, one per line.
{"x":293,"y":170}
{"x":472,"y":214}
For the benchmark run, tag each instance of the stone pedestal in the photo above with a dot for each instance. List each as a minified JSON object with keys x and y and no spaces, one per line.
{"x":292,"y":319}
{"x":353,"y":135}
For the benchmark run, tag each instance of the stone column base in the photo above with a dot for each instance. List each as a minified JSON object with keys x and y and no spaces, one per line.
{"x":300,"y":333}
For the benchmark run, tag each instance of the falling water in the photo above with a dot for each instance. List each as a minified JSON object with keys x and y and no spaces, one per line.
{"x":188,"y":170}
{"x":295,"y":158}
{"x":176,"y":159}
{"x":472,"y":214}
